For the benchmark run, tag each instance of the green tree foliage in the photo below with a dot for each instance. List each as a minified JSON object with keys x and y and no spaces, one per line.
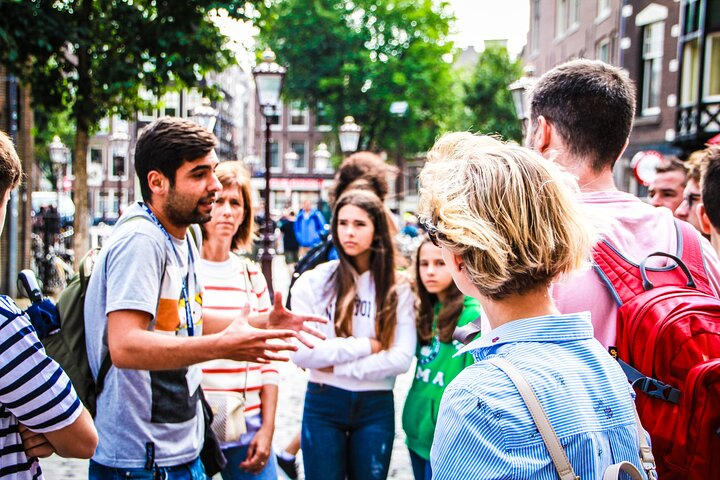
{"x":487,"y":95}
{"x":93,"y":56}
{"x":357,"y":57}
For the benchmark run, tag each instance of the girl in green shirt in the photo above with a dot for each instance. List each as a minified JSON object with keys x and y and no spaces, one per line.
{"x":441,"y":308}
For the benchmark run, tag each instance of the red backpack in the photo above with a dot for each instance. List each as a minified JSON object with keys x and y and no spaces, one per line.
{"x":668,"y":334}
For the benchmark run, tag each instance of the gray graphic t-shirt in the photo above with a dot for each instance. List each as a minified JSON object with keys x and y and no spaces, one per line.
{"x":138,"y":270}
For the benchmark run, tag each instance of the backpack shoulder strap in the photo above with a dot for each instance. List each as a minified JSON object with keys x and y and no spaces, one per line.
{"x":690,"y":252}
{"x":557,"y":452}
{"x":621,"y":276}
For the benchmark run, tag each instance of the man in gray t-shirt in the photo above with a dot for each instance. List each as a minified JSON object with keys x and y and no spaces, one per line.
{"x":144,"y":308}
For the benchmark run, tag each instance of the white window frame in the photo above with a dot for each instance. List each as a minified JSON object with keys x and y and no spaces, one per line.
{"x":193,"y":99}
{"x":604,"y":7}
{"x":276,"y":127}
{"x":275,"y":168}
{"x":603,"y":44}
{"x":171,"y":100}
{"x":535,"y":26}
{"x":111,"y":167}
{"x":304,"y":168}
{"x":652,"y":68}
{"x":712,"y":46}
{"x":689,"y":75}
{"x":93,"y":167}
{"x":303,"y":112}
{"x":144,"y":116}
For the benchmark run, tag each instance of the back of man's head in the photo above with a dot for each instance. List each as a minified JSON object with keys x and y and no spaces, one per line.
{"x":711,"y":185}
{"x":165,"y":144}
{"x":10,"y":166}
{"x":591,"y":105}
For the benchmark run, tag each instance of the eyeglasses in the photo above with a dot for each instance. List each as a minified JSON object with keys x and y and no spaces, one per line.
{"x":433,"y":233}
{"x":691,"y":198}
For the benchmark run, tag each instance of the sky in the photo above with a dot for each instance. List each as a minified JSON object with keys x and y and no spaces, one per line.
{"x":479,"y":20}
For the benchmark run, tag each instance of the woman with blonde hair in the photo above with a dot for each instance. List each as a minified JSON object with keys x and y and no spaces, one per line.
{"x":232,"y":283}
{"x":348,"y":422}
{"x":508,"y":224}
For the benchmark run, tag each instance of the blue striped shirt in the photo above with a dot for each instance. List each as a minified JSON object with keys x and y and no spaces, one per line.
{"x":485,"y":431}
{"x":34,"y":391}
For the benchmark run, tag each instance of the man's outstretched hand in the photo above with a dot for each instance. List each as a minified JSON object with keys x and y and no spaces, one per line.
{"x":283,"y":319}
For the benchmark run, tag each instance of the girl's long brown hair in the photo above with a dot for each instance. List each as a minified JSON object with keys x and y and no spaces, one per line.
{"x":449,"y":312}
{"x":382,"y":268}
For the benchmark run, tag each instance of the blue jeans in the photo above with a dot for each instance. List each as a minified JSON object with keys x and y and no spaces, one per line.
{"x":420,"y":466}
{"x":189,"y":471}
{"x":236,"y":455}
{"x":347,"y":433}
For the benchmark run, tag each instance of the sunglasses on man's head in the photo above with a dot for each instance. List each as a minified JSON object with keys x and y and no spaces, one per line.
{"x":432,"y":231}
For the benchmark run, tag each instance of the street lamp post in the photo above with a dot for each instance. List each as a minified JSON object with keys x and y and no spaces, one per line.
{"x":349,"y":133}
{"x":321,"y":165}
{"x":58,"y":158}
{"x":520,"y":91}
{"x":205,"y":115}
{"x":269,"y":78}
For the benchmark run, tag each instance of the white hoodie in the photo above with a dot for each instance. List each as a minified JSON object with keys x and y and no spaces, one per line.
{"x":355,"y":367}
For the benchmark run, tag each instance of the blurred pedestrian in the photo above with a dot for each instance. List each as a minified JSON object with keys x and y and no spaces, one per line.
{"x":348,"y":421}
{"x":309,"y":227}
{"x":290,"y":243}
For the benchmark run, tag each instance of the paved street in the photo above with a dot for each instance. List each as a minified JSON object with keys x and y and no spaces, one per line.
{"x":290,"y":403}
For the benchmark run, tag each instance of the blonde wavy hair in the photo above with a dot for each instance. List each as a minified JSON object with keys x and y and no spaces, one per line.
{"x":511,"y":215}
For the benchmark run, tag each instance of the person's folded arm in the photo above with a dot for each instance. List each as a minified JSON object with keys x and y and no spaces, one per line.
{"x":396,"y":359}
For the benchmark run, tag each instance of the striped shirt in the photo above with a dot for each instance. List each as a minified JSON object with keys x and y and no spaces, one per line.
{"x":33,"y":390}
{"x":229,"y":286}
{"x":485,"y":431}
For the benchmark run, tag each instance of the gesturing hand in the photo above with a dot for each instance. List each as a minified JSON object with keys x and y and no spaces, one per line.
{"x":35,"y":444}
{"x":280,"y":317}
{"x":244,"y":342}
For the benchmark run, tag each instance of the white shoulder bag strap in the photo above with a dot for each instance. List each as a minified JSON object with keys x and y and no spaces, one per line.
{"x":557,"y":453}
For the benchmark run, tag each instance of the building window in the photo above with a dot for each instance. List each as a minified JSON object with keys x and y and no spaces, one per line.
{"x":149,"y":114}
{"x":299,"y":148}
{"x":602,"y":52}
{"x":274,"y":156}
{"x":603,"y":8}
{"x":276,"y":119}
{"x":690,"y":73}
{"x":692,"y":16}
{"x":653,"y":36}
{"x":322,"y":117}
{"x":118,"y":166}
{"x":712,"y":67}
{"x":171,"y":104}
{"x":567,"y":16}
{"x":96,"y":156}
{"x":299,"y":115}
{"x":535,"y":27}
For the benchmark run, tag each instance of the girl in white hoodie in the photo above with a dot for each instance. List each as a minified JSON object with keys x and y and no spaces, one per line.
{"x":348,"y":422}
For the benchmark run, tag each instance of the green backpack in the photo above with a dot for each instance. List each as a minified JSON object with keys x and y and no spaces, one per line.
{"x":67,"y":347}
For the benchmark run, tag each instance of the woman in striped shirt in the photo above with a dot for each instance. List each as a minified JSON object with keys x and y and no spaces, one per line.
{"x":232,"y":283}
